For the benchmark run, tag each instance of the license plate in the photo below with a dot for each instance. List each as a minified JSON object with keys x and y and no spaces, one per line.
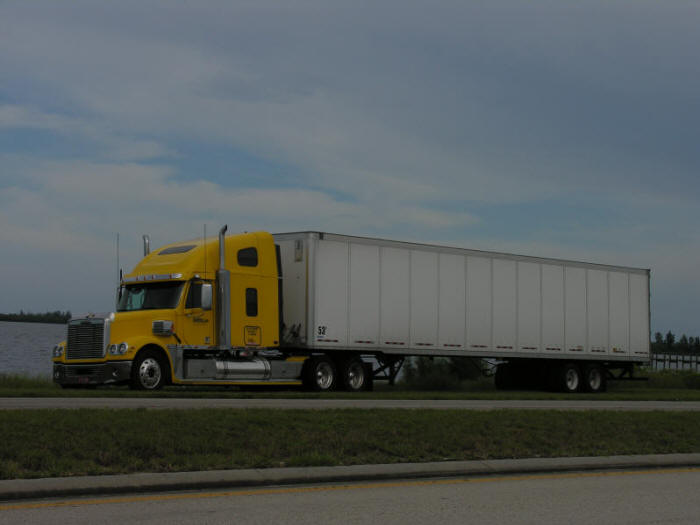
{"x":83,"y":380}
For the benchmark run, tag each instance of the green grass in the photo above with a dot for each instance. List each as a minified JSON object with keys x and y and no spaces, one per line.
{"x":50,"y":443}
{"x":24,"y":382}
{"x":662,"y":386}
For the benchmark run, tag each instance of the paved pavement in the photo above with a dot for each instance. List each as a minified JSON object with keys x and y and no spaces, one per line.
{"x":621,"y":497}
{"x":140,"y":483}
{"x":20,"y":403}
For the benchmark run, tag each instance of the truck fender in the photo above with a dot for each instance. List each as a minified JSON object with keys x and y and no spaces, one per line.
{"x":160,"y":350}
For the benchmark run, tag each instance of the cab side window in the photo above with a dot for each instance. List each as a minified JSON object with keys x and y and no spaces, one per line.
{"x":248,"y":257}
{"x":194,"y":297}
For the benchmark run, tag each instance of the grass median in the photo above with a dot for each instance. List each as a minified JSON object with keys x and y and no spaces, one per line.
{"x":49,"y":443}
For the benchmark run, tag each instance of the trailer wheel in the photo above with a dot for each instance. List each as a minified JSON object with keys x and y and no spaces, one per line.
{"x":594,"y":379}
{"x":354,"y":374}
{"x":148,"y":371}
{"x":570,"y":376}
{"x":320,"y":374}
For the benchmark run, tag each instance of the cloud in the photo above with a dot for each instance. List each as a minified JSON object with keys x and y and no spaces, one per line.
{"x":71,"y":195}
{"x":557,"y":129}
{"x":463,"y":104}
{"x":105,"y":142}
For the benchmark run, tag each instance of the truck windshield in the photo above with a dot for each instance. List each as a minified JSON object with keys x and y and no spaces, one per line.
{"x":150,"y":296}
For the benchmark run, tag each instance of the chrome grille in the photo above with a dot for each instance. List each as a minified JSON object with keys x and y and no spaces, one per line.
{"x":85,"y":339}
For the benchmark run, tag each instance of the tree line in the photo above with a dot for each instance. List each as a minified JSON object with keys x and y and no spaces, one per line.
{"x":57,"y":317}
{"x":668,"y":344}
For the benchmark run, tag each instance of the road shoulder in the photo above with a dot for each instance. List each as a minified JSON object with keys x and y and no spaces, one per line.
{"x":152,"y":482}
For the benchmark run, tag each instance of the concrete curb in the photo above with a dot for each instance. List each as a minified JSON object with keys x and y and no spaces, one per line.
{"x":217,"y":479}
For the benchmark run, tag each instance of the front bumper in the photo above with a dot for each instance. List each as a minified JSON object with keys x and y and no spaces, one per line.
{"x":92,"y":374}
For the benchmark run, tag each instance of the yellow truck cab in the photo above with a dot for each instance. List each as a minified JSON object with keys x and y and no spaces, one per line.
{"x":172,"y":325}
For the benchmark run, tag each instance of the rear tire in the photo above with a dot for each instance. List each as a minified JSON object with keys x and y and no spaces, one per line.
{"x":353,"y":374}
{"x":570,"y":378}
{"x":320,"y":374}
{"x":594,"y":379}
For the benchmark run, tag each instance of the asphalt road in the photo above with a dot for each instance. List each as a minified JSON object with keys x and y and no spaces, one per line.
{"x":10,"y":403}
{"x":616,"y":497}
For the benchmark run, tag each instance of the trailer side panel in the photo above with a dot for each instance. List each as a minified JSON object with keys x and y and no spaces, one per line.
{"x":401,"y":298}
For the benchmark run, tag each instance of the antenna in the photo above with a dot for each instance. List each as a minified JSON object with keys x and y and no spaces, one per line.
{"x":205,"y":250}
{"x":118,"y":268}
{"x":119,"y":272}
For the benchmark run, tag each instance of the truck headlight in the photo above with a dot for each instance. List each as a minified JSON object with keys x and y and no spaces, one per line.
{"x":58,"y":350}
{"x":119,"y":349}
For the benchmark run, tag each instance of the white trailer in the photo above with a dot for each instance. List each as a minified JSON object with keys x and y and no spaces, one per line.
{"x":567,"y":324}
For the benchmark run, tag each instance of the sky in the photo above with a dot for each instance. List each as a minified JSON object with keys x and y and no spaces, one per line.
{"x":550,"y":128}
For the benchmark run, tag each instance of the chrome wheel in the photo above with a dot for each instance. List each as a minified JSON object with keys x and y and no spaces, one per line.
{"x":150,"y":373}
{"x":595,"y":379}
{"x":354,"y":375}
{"x":319,"y":374}
{"x":572,"y":378}
{"x":324,"y":375}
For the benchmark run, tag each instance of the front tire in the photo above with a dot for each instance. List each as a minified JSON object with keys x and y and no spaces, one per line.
{"x":149,"y":371}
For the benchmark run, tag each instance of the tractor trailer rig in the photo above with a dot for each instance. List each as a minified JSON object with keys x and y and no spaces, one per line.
{"x":333,"y":311}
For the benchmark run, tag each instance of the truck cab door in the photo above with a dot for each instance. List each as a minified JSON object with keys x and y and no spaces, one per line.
{"x":196,"y":325}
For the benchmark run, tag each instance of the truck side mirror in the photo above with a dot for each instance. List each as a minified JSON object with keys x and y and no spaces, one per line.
{"x":206,"y":296}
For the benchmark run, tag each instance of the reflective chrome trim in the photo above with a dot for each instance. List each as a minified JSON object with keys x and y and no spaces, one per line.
{"x":82,"y":332}
{"x":86,"y":339}
{"x":223,"y":298}
{"x":109,"y":319}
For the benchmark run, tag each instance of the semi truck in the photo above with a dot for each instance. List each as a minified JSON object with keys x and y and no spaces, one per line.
{"x":328,"y":311}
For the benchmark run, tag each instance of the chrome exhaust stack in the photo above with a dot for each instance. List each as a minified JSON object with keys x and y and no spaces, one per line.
{"x":223,"y":303}
{"x":146,"y":245}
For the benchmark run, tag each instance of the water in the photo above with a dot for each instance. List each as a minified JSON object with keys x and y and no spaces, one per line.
{"x":27,"y":348}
